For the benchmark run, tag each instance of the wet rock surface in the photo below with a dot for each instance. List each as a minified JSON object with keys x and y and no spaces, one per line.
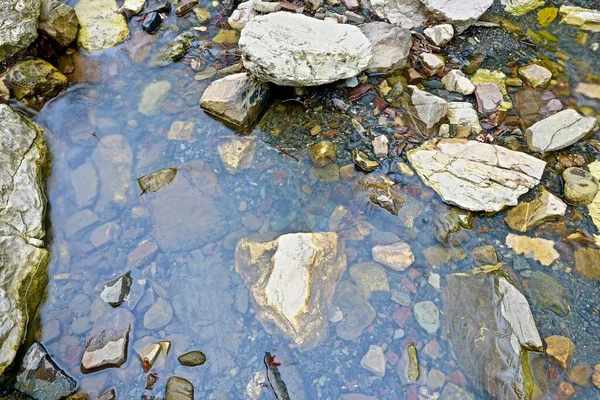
{"x":23,"y":160}
{"x":559,"y":131}
{"x":58,"y":21}
{"x":300,"y":267}
{"x":502,"y":339}
{"x":41,"y":378}
{"x":311,"y":53}
{"x":100,"y":26}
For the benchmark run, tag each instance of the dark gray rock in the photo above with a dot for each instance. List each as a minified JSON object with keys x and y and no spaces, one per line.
{"x":548,"y":293}
{"x":41,"y":378}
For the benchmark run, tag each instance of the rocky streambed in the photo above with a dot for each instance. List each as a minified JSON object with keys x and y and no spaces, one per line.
{"x":305,"y":200}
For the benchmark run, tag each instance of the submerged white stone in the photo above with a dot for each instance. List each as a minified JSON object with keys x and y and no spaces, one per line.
{"x":291,"y":49}
{"x":288,"y":288}
{"x":515,"y":309}
{"x":476,"y":176}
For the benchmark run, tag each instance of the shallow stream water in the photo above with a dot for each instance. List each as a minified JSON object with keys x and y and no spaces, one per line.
{"x":102,"y":226}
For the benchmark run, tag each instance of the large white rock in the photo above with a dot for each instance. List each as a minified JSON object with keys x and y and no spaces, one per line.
{"x":292,"y":279}
{"x":18,"y":22}
{"x":404,"y":13}
{"x":458,"y":11}
{"x":476,"y":176}
{"x":391,"y":46}
{"x":23,"y":260}
{"x":559,"y":131}
{"x":291,"y":49}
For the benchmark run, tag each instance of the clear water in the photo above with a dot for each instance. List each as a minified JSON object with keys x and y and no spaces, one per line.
{"x":95,"y":129}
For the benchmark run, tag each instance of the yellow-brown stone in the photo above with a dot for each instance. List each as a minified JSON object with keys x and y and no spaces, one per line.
{"x":560,"y":349}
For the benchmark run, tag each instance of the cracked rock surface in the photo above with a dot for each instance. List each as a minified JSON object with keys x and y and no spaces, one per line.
{"x":559,"y":131}
{"x":476,"y":176}
{"x":295,"y":50}
{"x":24,"y":261}
{"x":19,"y":22}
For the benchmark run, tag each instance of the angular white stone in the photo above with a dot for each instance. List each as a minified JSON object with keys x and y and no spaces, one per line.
{"x":515,"y":309}
{"x":458,"y":11}
{"x":462,"y":113}
{"x":295,"y":50}
{"x":559,"y":131}
{"x":440,"y":34}
{"x":397,"y":256}
{"x":404,"y":13}
{"x":457,"y":81}
{"x":476,"y":176}
{"x":432,"y":61}
{"x":391,"y":45}
{"x":374,"y":361}
{"x":430,"y":109}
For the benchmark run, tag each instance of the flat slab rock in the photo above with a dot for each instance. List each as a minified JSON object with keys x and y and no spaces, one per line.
{"x":404,"y":13}
{"x":559,"y":131}
{"x":458,"y":11}
{"x":489,"y":326}
{"x":476,"y":176}
{"x":293,"y":280}
{"x":291,"y":49}
{"x":107,"y":341}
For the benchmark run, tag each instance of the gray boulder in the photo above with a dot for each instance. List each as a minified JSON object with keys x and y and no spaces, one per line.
{"x":23,"y":164}
{"x":295,"y":50}
{"x":19,"y":22}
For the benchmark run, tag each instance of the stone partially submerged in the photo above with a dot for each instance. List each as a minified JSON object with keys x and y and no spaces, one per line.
{"x":237,"y":98}
{"x":476,"y":176}
{"x":559,"y":131}
{"x":23,"y":162}
{"x":295,"y":50}
{"x":293,"y":279}
{"x":19,"y":22}
{"x":490,"y":329}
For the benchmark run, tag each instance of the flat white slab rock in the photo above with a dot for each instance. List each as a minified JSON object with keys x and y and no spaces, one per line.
{"x":476,"y":176}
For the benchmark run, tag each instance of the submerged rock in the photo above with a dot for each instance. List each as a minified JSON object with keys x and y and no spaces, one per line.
{"x":116,"y":291}
{"x":544,"y":207}
{"x":34,"y":82}
{"x":19,"y":22}
{"x":521,"y":7}
{"x":100,"y":26}
{"x":322,"y":153}
{"x":396,"y":256}
{"x":374,"y":361}
{"x":184,"y":214}
{"x":541,"y":250}
{"x":459,"y":12}
{"x":583,"y":18}
{"x":357,"y":313}
{"x":58,"y":21}
{"x":152,"y":96}
{"x":107,"y":342}
{"x":292,"y":279}
{"x":560,"y":349}
{"x":547,"y":293}
{"x":237,"y":98}
{"x":41,"y":378}
{"x":192,"y":359}
{"x":23,"y":166}
{"x":390,"y":45}
{"x":295,"y":50}
{"x":176,"y":49}
{"x":490,"y":329}
{"x":559,"y":131}
{"x":427,"y":316}
{"x":476,"y":176}
{"x":404,"y":13}
{"x":179,"y":389}
{"x":237,"y":153}
{"x":535,"y":75}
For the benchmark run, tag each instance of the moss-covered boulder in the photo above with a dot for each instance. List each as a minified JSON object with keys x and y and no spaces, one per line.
{"x":23,"y":163}
{"x":100,"y":26}
{"x":34,"y":82}
{"x":58,"y":21}
{"x":19,"y":22}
